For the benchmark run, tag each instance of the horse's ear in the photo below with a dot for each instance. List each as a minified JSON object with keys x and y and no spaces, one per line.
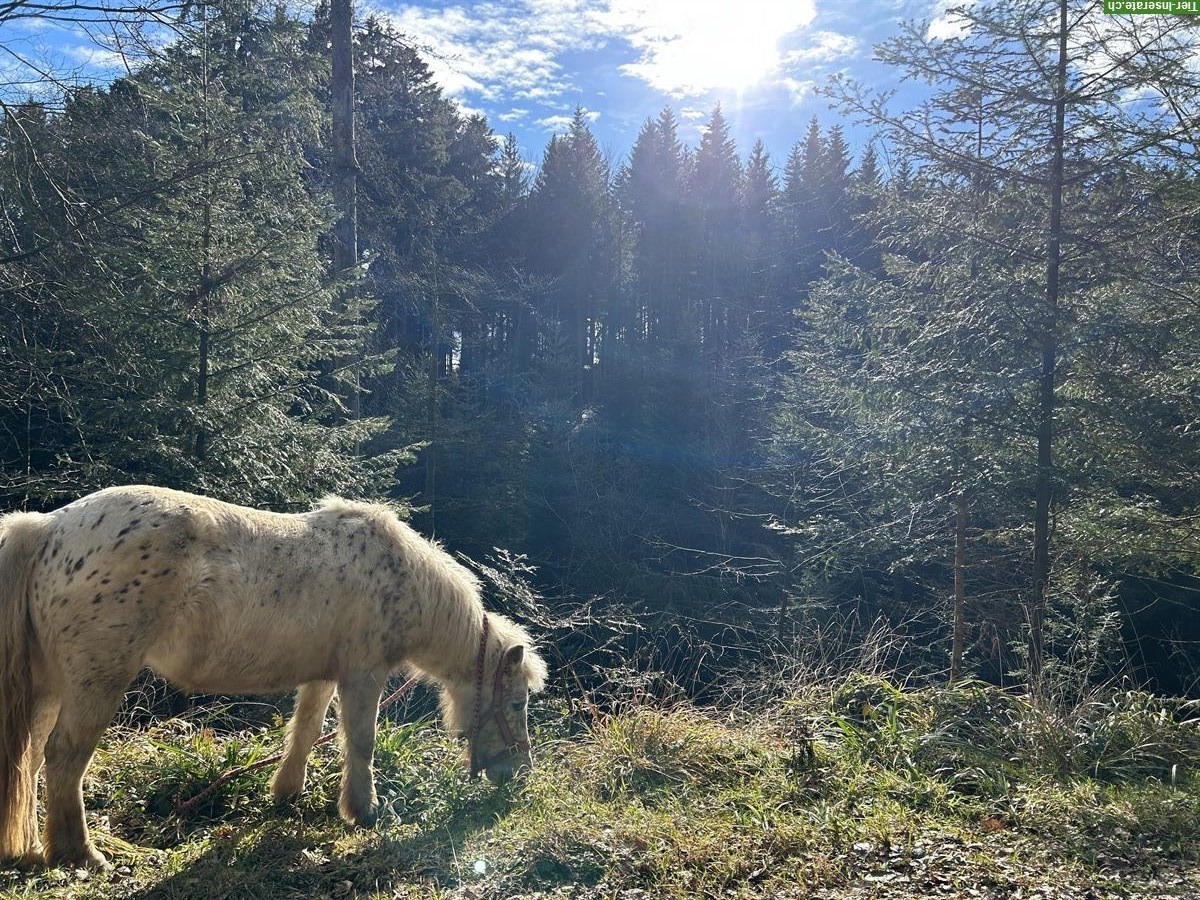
{"x":514,"y":657}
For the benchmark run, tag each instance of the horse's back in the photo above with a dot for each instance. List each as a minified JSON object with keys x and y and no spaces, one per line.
{"x":120,"y":568}
{"x":221,"y":598}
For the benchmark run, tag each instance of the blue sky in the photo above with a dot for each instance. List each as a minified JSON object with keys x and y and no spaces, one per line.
{"x":526,"y":64}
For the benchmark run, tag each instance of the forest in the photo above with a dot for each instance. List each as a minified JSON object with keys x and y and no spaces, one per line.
{"x":941,"y":387}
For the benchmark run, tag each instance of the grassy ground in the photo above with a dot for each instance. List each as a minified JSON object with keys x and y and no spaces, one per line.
{"x":851,"y":791}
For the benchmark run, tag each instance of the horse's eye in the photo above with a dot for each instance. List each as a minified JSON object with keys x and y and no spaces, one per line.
{"x":519,"y":706}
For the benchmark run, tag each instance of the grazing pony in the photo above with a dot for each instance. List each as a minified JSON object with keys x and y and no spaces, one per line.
{"x":223,"y":599}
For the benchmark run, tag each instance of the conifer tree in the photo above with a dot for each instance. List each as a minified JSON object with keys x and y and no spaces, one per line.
{"x":799,"y":248}
{"x":832,"y":191}
{"x":759,"y":229}
{"x":650,"y":191}
{"x":1030,"y":111}
{"x":573,"y":245}
{"x":201,"y":366}
{"x":719,"y":277}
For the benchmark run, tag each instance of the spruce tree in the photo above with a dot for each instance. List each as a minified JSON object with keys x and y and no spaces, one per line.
{"x":1028,"y":117}
{"x":717,"y":259}
{"x":202,"y":282}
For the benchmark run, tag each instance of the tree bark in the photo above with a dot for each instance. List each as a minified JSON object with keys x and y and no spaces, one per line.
{"x":1043,"y":487}
{"x":345,"y":164}
{"x":960,"y":585}
{"x":204,"y":300}
{"x":433,"y":408}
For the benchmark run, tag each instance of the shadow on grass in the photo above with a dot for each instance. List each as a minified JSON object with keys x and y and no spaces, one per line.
{"x":300,"y":854}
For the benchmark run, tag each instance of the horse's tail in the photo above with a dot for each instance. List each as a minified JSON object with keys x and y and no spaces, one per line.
{"x":21,"y":537}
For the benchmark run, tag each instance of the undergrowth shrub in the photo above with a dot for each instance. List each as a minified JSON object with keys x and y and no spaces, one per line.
{"x":1115,"y":736}
{"x":646,"y":750}
{"x":979,"y":738}
{"x":142,"y":776}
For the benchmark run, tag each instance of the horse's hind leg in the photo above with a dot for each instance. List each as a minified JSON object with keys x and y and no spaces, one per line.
{"x":358,"y":710}
{"x":45,"y":714}
{"x":312,"y":700}
{"x":81,"y":721}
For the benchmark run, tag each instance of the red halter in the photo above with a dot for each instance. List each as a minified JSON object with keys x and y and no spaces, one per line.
{"x":495,"y":711}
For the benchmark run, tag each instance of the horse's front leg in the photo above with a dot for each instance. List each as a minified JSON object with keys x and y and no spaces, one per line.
{"x":358,"y":709}
{"x":312,"y":700}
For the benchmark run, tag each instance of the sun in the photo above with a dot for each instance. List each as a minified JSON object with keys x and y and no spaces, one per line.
{"x":735,"y":56}
{"x":696,"y":46}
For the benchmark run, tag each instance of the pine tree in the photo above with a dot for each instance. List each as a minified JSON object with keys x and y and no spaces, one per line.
{"x":573,"y":244}
{"x":650,"y":192}
{"x":718,"y":275}
{"x":799,"y":248}
{"x":444,"y":223}
{"x":201,"y":370}
{"x":759,"y":228}
{"x":832,"y":191}
{"x":866,"y":186}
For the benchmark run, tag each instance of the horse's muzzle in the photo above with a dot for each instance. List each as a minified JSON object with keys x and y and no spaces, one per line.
{"x":505,"y":769}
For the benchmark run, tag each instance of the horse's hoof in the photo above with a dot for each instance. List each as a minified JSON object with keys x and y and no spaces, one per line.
{"x":285,"y":803}
{"x":86,"y":858}
{"x":285,"y":789}
{"x":29,"y":861}
{"x":284,"y":799}
{"x":364,"y":817}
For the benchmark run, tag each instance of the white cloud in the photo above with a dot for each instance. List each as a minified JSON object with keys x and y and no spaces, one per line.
{"x":494,"y":49}
{"x":799,"y":89}
{"x":468,"y":110}
{"x":513,"y":115}
{"x":560,"y":123}
{"x":554,"y":124}
{"x":827,"y":46}
{"x":95,"y":57}
{"x":948,"y":22}
{"x":538,"y":94}
{"x":517,"y":50}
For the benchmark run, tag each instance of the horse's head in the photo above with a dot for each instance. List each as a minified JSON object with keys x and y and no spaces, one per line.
{"x":493,"y":712}
{"x":498,"y":743}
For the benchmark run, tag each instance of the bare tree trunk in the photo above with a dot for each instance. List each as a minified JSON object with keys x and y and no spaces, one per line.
{"x":960,"y":585}
{"x":433,"y":408}
{"x":204,"y":299}
{"x":202,"y":363}
{"x":345,"y":164}
{"x":1043,"y":487}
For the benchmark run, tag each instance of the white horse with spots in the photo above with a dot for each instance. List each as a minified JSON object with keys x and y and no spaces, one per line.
{"x":223,"y":599}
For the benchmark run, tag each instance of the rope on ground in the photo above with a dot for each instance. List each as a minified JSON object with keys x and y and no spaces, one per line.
{"x":185,"y":808}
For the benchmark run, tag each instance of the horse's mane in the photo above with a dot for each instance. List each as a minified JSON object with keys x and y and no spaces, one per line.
{"x":452,"y":589}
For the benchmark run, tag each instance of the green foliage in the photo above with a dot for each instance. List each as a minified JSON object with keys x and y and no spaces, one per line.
{"x":967,"y":361}
{"x":840,"y":787}
{"x":197,"y":330}
{"x":698,"y":386}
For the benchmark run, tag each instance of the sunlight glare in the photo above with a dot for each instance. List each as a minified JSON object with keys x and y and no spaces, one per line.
{"x":693,"y":46}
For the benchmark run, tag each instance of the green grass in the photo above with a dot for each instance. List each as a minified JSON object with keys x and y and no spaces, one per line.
{"x":859,"y":789}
